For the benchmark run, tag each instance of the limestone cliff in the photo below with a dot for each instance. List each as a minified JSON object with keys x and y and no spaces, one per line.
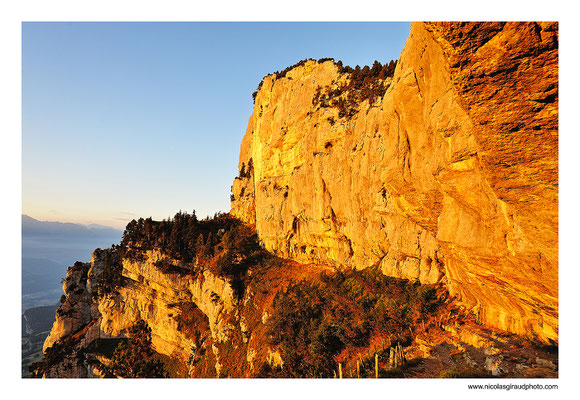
{"x":183,"y":312}
{"x":202,"y":324}
{"x":451,"y":176}
{"x":443,"y":173}
{"x":138,"y":310}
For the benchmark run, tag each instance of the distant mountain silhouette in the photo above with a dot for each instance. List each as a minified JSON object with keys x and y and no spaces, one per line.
{"x":48,"y":248}
{"x":31,"y":226}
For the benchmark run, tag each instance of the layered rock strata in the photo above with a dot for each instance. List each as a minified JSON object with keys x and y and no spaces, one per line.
{"x":450,"y":177}
{"x":199,"y":326}
{"x":158,"y":299}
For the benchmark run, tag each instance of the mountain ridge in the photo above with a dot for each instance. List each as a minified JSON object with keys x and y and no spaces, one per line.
{"x":34,"y":226}
{"x":379,"y":234}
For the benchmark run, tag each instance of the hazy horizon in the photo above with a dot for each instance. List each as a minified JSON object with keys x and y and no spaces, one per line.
{"x":129,"y":120}
{"x":88,"y":226}
{"x":49,"y":248}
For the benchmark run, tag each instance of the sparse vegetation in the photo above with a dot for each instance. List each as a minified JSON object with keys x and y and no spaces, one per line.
{"x":364,"y":83}
{"x":55,"y":355}
{"x":246,"y":173}
{"x":282,"y":74}
{"x":222,"y":244}
{"x":111,"y":278}
{"x":134,"y":358}
{"x":319,"y":323}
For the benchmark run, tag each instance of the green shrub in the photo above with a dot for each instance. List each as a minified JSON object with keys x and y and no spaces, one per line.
{"x":182,"y":237}
{"x":111,"y":278}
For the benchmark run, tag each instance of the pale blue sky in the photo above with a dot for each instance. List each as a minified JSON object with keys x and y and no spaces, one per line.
{"x":121,"y":120}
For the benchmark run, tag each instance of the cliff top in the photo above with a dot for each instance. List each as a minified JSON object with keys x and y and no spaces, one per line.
{"x":377,"y":70}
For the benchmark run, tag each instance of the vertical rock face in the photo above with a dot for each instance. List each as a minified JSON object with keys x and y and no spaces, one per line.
{"x":450,"y":177}
{"x":201,"y":323}
{"x":160,"y":300}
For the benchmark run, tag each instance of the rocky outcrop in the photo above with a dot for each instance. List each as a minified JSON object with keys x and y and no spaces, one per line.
{"x":199,"y":326}
{"x":77,"y":321}
{"x":450,"y":177}
{"x":158,"y":299}
{"x":196,"y":319}
{"x":75,"y":312}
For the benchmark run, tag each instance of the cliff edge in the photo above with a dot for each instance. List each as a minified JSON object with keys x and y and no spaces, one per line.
{"x":451,"y":176}
{"x":389,"y":221}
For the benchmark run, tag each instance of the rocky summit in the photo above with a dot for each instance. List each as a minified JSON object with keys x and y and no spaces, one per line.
{"x":396,"y":221}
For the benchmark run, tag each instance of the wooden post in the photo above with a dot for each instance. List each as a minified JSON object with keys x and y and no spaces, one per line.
{"x":376,"y":365}
{"x":340,"y":370}
{"x":358,"y":369}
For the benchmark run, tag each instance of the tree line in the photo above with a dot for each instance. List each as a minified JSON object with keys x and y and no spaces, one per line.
{"x":360,"y":77}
